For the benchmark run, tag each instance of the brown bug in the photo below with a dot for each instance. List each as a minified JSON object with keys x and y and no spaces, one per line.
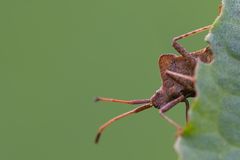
{"x":178,"y":77}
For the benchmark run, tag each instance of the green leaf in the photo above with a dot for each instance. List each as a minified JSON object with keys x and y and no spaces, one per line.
{"x":214,"y":129}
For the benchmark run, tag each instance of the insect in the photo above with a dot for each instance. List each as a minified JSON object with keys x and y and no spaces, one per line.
{"x":178,"y":83}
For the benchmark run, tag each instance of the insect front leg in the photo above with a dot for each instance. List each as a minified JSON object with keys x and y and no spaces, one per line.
{"x":168,"y":106}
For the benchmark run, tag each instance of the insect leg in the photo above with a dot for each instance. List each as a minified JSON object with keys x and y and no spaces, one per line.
{"x":185,"y":80}
{"x":179,"y":47}
{"x":205,"y":55}
{"x":169,"y":106}
{"x":104,"y":126}
{"x":139,"y":101}
{"x":220,"y":8}
{"x":187,"y":108}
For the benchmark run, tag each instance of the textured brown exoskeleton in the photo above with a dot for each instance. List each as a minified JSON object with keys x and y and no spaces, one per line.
{"x":178,"y":82}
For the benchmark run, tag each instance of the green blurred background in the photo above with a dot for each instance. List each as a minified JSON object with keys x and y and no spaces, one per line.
{"x":56,"y":56}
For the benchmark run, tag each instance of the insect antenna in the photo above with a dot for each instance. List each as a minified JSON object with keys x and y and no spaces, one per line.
{"x":137,"y":101}
{"x":105,"y":125}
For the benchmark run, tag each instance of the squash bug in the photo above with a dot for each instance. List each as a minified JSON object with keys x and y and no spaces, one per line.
{"x":178,"y":83}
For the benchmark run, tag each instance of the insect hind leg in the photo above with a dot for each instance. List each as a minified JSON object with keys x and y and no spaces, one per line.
{"x":179,"y":48}
{"x":184,"y":80}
